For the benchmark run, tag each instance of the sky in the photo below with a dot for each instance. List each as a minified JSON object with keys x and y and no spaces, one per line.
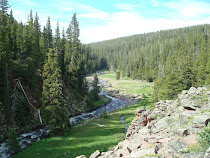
{"x":107,"y":19}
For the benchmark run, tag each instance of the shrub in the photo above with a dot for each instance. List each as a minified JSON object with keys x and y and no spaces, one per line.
{"x":118,"y":75}
{"x":205,"y":137}
{"x":104,"y":113}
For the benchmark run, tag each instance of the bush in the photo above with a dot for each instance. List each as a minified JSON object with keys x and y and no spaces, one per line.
{"x":118,"y":75}
{"x":104,"y":113}
{"x":205,"y":137}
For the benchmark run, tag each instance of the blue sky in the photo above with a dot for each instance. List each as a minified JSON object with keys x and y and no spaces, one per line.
{"x":106,"y":19}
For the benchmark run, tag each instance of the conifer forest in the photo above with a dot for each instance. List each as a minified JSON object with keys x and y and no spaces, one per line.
{"x":43,"y":71}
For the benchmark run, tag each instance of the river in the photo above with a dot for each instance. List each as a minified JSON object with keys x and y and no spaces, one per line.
{"x":26,"y":139}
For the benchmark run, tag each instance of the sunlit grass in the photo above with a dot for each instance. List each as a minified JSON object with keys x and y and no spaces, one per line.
{"x":84,"y":140}
{"x":127,"y":85}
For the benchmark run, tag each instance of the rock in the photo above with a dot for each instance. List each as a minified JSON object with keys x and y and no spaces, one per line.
{"x":38,"y":139}
{"x":183,"y":132}
{"x":192,"y":90}
{"x":132,"y":144}
{"x":95,"y":154}
{"x":172,"y":148}
{"x":189,"y":104}
{"x":198,"y":92}
{"x":142,"y":152}
{"x":207,"y":153}
{"x":81,"y":156}
{"x":123,"y":152}
{"x":192,"y":155}
{"x":200,"y":121}
{"x":191,"y":139}
{"x":108,"y":154}
{"x":184,"y":92}
{"x":164,"y":140}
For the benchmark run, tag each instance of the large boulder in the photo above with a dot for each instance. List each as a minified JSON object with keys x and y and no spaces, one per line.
{"x":123,"y":152}
{"x":192,"y":90}
{"x":142,"y":152}
{"x":81,"y":156}
{"x":173,"y":147}
{"x":207,"y":153}
{"x":192,"y":155}
{"x":200,"y":121}
{"x":95,"y":154}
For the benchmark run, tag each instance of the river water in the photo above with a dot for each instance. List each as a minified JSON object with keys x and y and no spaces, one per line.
{"x":115,"y":103}
{"x":26,"y":139}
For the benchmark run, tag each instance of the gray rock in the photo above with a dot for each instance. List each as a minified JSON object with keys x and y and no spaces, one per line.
{"x":189,"y":104}
{"x":123,"y":152}
{"x":172,"y":148}
{"x":95,"y":154}
{"x":192,"y":155}
{"x":142,"y":152}
{"x":200,"y":121}
{"x":192,"y":90}
{"x":198,"y":92}
{"x":183,"y":132}
{"x":132,"y":144}
{"x":108,"y":154}
{"x":184,"y":92}
{"x":81,"y":156}
{"x":207,"y":153}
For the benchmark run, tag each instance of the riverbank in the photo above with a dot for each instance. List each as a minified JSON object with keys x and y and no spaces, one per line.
{"x":98,"y":133}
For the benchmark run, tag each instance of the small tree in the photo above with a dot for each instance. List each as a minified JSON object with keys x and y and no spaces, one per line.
{"x":13,"y":142}
{"x":96,"y":88}
{"x":55,"y":113}
{"x":104,"y":113}
{"x":118,"y":75}
{"x":93,"y":94}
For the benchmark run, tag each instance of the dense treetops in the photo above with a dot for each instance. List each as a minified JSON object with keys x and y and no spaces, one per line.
{"x":175,"y":59}
{"x":47,"y":65}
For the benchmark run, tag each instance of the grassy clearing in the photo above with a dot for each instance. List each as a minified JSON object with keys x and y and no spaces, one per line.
{"x":126,"y":85}
{"x":86,"y":139}
{"x":91,"y":137}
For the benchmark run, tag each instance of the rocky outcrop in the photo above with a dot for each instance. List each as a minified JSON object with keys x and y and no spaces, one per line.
{"x":167,"y":130}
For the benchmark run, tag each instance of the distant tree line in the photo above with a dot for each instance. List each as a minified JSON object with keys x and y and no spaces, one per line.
{"x":174,"y":59}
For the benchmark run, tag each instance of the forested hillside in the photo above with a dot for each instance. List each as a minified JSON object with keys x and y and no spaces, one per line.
{"x":40,"y":72}
{"x":174,"y":59}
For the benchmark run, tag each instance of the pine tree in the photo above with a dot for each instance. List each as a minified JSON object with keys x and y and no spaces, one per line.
{"x":3,"y":24}
{"x":62,"y":44}
{"x":55,"y":111}
{"x":96,"y":88}
{"x":13,"y":142}
{"x":57,"y":38}
{"x":49,"y":38}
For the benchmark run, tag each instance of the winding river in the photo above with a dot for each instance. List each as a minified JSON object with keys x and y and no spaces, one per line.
{"x":26,"y":139}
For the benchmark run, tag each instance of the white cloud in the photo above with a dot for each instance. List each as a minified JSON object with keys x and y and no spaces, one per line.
{"x":126,"y":7}
{"x":155,"y":3}
{"x":125,"y":23}
{"x":27,"y":3}
{"x":189,"y":8}
{"x":94,"y":15}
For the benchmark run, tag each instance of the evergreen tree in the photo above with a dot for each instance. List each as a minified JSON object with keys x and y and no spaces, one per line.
{"x":96,"y":88}
{"x":13,"y":142}
{"x":48,"y":34}
{"x":55,"y":111}
{"x":57,"y":38}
